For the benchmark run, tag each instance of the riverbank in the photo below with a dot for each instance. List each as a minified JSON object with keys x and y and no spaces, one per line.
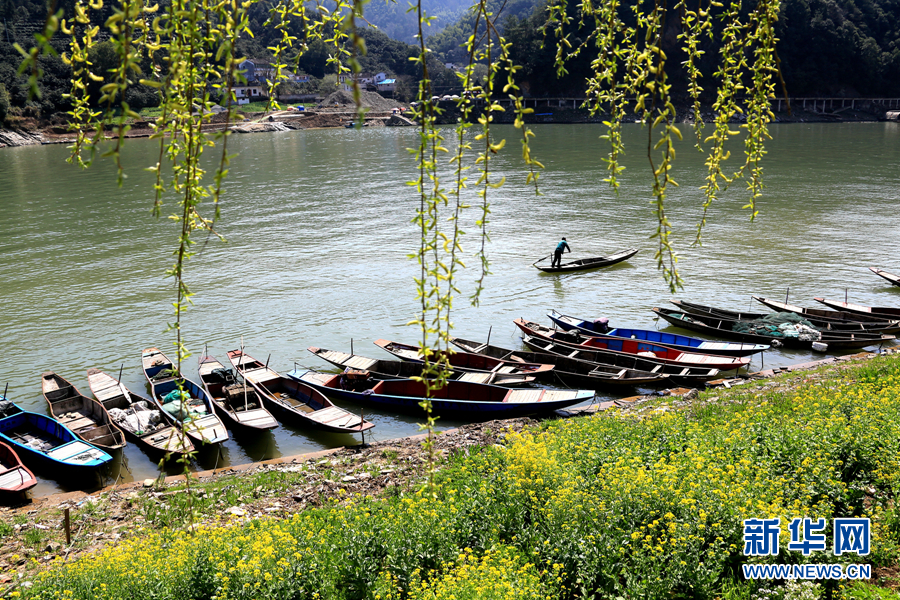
{"x":682,"y":437}
{"x":35,"y":131}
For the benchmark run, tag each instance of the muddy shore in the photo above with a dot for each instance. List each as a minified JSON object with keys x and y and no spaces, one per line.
{"x":33,"y":131}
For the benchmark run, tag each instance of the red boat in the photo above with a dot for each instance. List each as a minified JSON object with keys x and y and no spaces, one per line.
{"x":640,"y":348}
{"x":14,"y":476}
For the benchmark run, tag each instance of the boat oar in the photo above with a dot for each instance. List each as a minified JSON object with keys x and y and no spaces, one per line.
{"x":240,"y":362}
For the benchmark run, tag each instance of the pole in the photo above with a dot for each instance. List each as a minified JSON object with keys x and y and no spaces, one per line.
{"x":351,"y":346}
{"x":67,"y":528}
{"x":268,"y":359}
{"x":786,"y":294}
{"x":362,"y":421}
{"x":488,"y":343}
{"x":6,"y":389}
{"x":120,"y":372}
{"x":846,"y":293}
{"x":240,"y":362}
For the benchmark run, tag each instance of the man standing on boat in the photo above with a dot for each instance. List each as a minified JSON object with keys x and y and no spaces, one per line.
{"x":557,"y":254}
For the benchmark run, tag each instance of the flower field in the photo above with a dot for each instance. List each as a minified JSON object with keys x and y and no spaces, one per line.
{"x":622,"y":505}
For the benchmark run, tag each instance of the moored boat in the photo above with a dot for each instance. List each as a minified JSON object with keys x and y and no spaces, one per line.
{"x":86,"y":417}
{"x":682,"y":374}
{"x":42,"y":442}
{"x":237,"y":403}
{"x":295,"y":400}
{"x":464,"y":361}
{"x":458,"y":399}
{"x":398,"y":369}
{"x":182,"y":400}
{"x":670,"y":340}
{"x":834,"y":316}
{"x":823,"y":325}
{"x":881,"y":312}
{"x":662,"y":354}
{"x":757,"y":331}
{"x":571,"y":372}
{"x":894,"y":279}
{"x":586,"y":263}
{"x":15,"y":477}
{"x":139,"y":417}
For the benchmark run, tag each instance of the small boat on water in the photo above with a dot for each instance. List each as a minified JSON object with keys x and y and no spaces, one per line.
{"x":297,"y":401}
{"x":894,"y":279}
{"x":834,"y":316}
{"x":139,"y":417}
{"x":237,"y":403}
{"x":880,"y":312}
{"x":464,"y":361}
{"x":670,"y":340}
{"x":661,"y":354}
{"x":682,"y":374}
{"x":458,"y":399}
{"x":183,"y":401}
{"x":824,"y":325}
{"x":398,"y":369}
{"x":760,"y":331}
{"x":86,"y":417}
{"x":15,"y":477}
{"x":586,"y":263}
{"x":46,"y":443}
{"x":571,"y":372}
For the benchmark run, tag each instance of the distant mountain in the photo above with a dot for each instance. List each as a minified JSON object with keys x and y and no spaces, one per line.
{"x":393,"y":19}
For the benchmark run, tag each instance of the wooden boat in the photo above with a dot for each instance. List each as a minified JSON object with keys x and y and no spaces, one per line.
{"x":835,"y":327}
{"x":661,"y":354}
{"x":398,"y":369}
{"x":193,"y":410}
{"x":237,"y":403}
{"x":458,"y":399}
{"x":726,"y":327}
{"x":682,"y":374}
{"x":670,"y":340}
{"x":881,"y":312}
{"x":46,"y":443}
{"x":84,"y":416}
{"x":154,"y":434}
{"x":835,"y":316}
{"x":294,"y":400}
{"x":894,"y":279}
{"x":587,"y":263}
{"x":464,"y":361}
{"x":15,"y":477}
{"x":570,"y":371}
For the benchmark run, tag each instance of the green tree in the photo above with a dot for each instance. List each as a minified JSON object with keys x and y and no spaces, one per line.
{"x":4,"y":103}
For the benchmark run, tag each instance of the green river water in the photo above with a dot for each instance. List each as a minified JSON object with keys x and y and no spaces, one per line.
{"x":318,"y":231}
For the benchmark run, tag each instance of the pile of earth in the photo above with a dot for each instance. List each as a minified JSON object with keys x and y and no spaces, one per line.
{"x":371,"y":100}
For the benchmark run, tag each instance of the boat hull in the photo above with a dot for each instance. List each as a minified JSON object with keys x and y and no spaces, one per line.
{"x":542,"y":401}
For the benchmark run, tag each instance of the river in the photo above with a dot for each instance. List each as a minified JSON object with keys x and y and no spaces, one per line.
{"x":318,"y":230}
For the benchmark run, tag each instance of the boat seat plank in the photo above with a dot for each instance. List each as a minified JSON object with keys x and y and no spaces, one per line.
{"x":360,"y":362}
{"x":257,"y":417}
{"x":524,"y":396}
{"x":334,"y":415}
{"x":13,"y":478}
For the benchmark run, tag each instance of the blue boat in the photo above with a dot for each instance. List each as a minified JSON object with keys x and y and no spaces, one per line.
{"x":46,"y":443}
{"x":670,"y":340}
{"x":194,"y":411}
{"x":461,"y":400}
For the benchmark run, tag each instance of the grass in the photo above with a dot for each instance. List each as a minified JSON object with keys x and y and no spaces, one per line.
{"x":610,"y":506}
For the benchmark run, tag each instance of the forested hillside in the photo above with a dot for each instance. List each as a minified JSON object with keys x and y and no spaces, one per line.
{"x":827,"y":48}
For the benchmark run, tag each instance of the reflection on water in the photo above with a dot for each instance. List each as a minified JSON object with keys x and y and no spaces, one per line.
{"x":318,"y":229}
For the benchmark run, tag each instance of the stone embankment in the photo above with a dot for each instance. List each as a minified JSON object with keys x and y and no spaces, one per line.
{"x":19,"y":138}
